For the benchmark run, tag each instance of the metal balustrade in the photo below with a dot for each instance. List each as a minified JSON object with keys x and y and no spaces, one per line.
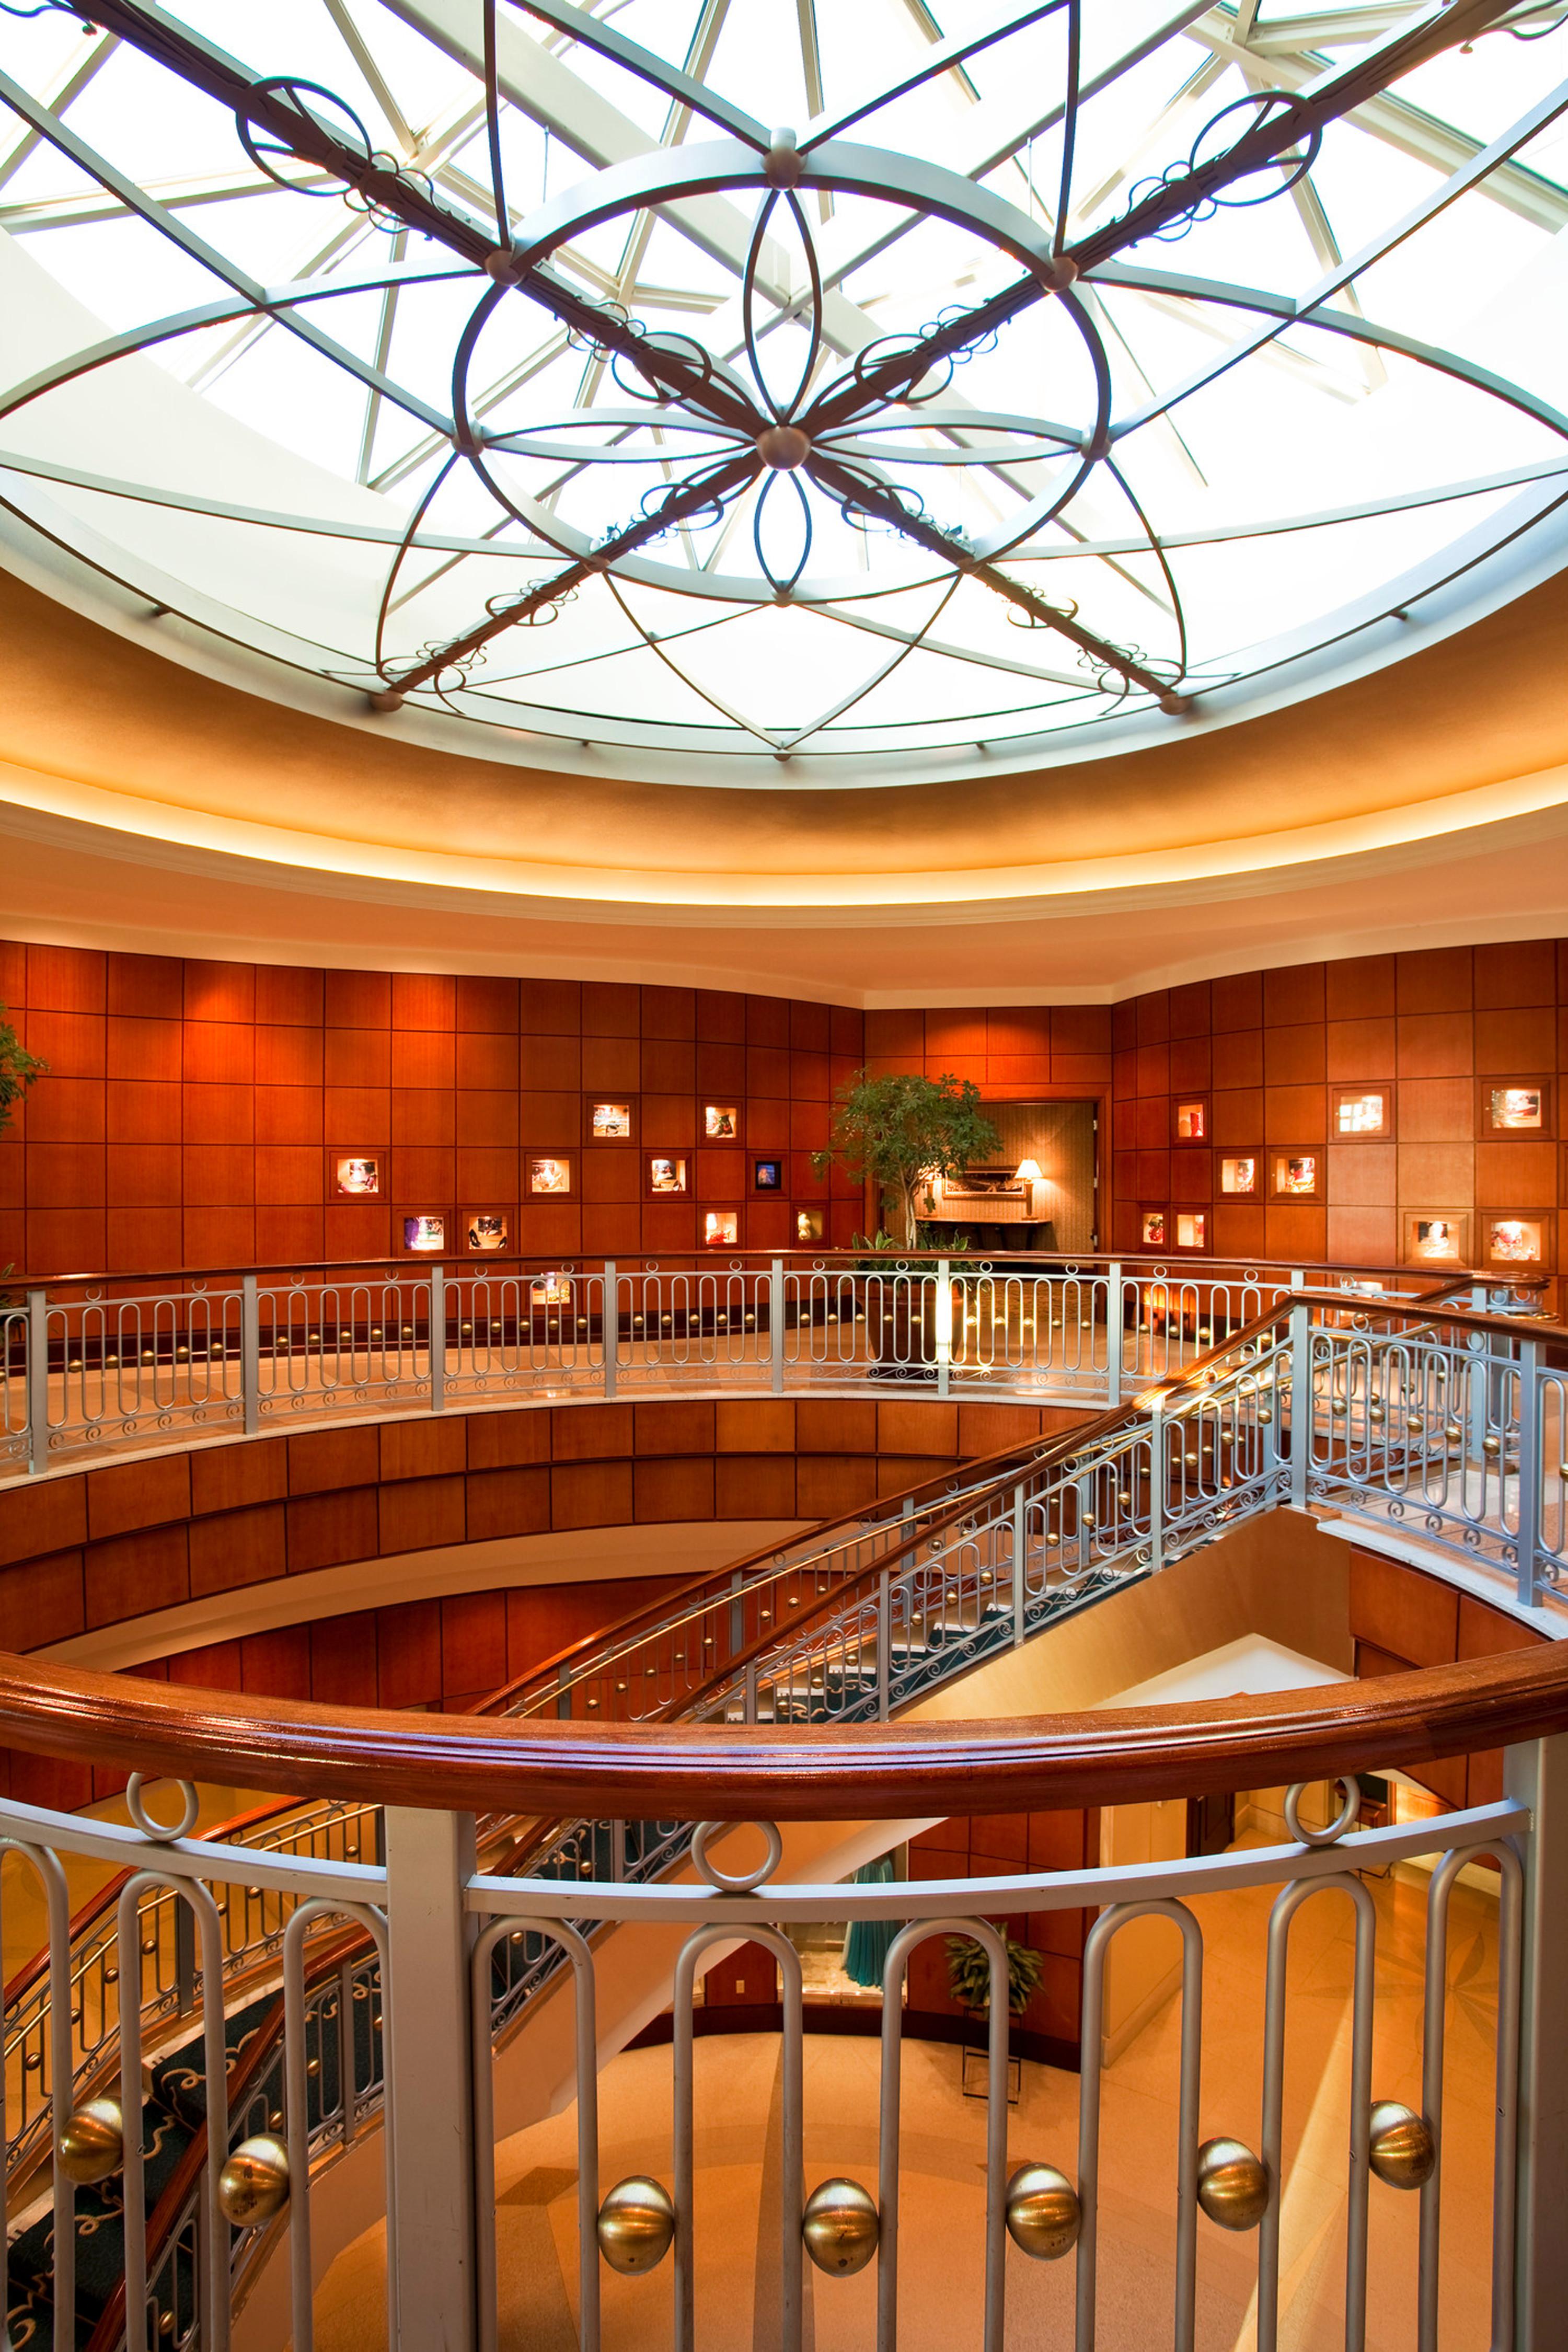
{"x":398,"y":1974}
{"x":1419,"y":1413}
{"x":90,"y":1366}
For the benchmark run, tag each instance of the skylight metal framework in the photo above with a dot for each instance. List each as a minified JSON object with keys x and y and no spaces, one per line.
{"x":683,"y":390}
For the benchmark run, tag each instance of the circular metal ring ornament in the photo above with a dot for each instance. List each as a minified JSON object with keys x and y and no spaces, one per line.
{"x":841,"y":2227}
{"x":1345,"y":1819}
{"x":635,"y":2224}
{"x":252,"y":2187}
{"x":92,"y":2144}
{"x":747,"y":1882}
{"x":1044,"y":2215}
{"x":1233,"y":2184}
{"x":159,"y":1832}
{"x":1402,"y":2147}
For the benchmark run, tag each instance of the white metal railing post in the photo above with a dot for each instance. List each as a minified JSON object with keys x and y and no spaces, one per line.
{"x":1020,"y":1561}
{"x":943,"y":1326}
{"x":1157,"y":1483}
{"x":776,"y":1324}
{"x":1529,"y":1514}
{"x":884,"y":1644}
{"x":1115,"y":1338}
{"x":1536,"y":1774}
{"x":1300,"y":1400}
{"x":37,"y":1380}
{"x":437,"y":1339}
{"x":610,"y":1326}
{"x":428,"y":2065}
{"x":250,"y":1353}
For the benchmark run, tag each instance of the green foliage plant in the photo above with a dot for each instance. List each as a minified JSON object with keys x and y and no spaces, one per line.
{"x":968,"y":1972}
{"x":18,"y":1068}
{"x":905,"y":1132}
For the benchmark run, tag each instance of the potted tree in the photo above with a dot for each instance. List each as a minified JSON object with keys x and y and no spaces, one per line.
{"x":969,"y":1981}
{"x":905,"y":1132}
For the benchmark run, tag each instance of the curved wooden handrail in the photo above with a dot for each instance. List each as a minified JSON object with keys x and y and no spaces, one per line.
{"x":1157,"y":1264}
{"x":684,"y":1771}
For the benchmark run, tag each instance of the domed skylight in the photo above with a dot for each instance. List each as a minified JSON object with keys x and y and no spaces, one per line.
{"x":871,"y":388}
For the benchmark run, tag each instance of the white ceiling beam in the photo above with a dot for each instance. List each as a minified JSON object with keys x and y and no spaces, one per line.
{"x":1400,"y":125}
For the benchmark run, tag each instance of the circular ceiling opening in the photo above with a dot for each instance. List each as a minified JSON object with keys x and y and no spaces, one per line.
{"x":1059,"y":371}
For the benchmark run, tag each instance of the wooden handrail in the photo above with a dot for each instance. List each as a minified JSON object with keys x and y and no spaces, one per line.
{"x":1157,"y":1264}
{"x":684,"y":1771}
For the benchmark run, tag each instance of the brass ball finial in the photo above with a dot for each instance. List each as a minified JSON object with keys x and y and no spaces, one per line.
{"x":1402,"y":2151}
{"x":636,"y":2224}
{"x":92,"y":2144}
{"x":1233,"y":2184}
{"x":252,"y":2186}
{"x":784,"y":447}
{"x":1043,"y":2216}
{"x":841,"y":2227}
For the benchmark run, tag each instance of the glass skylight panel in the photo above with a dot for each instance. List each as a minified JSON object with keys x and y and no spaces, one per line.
{"x":789,"y":455}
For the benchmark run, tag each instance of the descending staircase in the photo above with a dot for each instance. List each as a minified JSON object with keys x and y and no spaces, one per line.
{"x":856,"y":1620}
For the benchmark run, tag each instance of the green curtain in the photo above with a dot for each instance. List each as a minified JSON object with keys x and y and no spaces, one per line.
{"x":867,"y":1945}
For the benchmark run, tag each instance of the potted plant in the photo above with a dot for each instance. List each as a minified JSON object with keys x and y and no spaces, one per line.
{"x":969,"y":1981}
{"x":969,"y":1973}
{"x":904,"y":1132}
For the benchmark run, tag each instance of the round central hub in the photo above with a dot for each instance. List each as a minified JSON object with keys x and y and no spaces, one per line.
{"x":783,"y":446}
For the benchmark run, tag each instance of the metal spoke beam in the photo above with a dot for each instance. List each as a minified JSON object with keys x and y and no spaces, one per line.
{"x":1312,"y":305}
{"x":1172,"y":200}
{"x":857,"y":490}
{"x":683,"y":501}
{"x":1400,"y":125}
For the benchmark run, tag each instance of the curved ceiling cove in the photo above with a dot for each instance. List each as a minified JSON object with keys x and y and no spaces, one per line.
{"x":787,"y":392}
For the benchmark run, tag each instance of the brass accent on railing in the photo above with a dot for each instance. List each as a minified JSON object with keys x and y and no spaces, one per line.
{"x":1400,"y":2148}
{"x":1233,"y":2184}
{"x":636,"y":2224}
{"x":840,"y":2227}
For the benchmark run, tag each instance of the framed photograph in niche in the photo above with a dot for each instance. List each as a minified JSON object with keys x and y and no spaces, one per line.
{"x":549,"y":1290}
{"x":1437,"y":1237}
{"x":808,"y":1227}
{"x":720,"y":1228}
{"x":1296,"y":1175}
{"x":551,"y":1175}
{"x":721,"y":1122}
{"x":1192,"y":1229}
{"x":767,"y":1175}
{"x":1239,"y":1176}
{"x":610,"y":1122}
{"x":1360,"y":1114}
{"x":356,"y":1176}
{"x":424,"y":1232}
{"x":1517,"y":1239}
{"x":666,"y":1174}
{"x":486,"y":1233}
{"x":1151,"y":1224}
{"x":1520,"y":1107}
{"x":1190,"y":1120}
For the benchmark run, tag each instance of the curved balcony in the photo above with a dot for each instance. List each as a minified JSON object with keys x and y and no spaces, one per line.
{"x":768,"y":1691}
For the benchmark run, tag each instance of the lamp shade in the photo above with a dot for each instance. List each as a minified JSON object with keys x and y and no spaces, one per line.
{"x":1028,"y":1172}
